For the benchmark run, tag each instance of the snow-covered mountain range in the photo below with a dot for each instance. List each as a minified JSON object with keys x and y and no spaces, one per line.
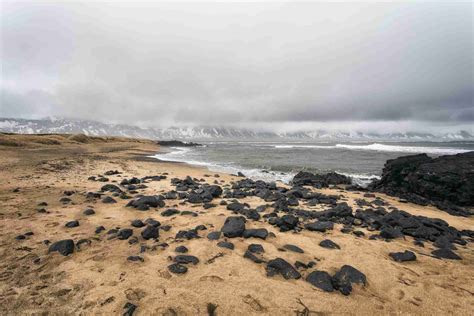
{"x":93,"y":128}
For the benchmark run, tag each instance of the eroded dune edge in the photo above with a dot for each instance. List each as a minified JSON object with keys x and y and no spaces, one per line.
{"x":202,"y":243}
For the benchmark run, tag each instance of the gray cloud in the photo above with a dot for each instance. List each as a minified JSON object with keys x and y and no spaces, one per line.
{"x":217,"y":64}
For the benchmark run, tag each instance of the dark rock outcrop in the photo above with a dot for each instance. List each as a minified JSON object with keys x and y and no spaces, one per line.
{"x":446,"y":181}
{"x":176,"y":143}
{"x":319,"y":180}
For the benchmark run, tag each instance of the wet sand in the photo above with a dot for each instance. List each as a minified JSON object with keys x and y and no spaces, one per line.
{"x":98,"y":278}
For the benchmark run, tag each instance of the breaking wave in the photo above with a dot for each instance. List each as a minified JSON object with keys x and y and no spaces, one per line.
{"x":383,"y":148}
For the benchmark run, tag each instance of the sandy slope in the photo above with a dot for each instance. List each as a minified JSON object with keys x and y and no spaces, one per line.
{"x":99,"y":280}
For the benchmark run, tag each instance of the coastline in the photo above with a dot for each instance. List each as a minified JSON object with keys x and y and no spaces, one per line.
{"x":99,"y":279}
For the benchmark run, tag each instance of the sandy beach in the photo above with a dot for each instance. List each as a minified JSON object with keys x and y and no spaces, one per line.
{"x":98,"y":277}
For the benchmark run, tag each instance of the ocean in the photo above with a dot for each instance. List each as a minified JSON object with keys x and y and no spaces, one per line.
{"x":280,"y":161}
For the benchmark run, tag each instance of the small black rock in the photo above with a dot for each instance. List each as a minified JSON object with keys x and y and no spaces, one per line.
{"x":150,"y":232}
{"x":282,"y":267}
{"x":137,"y":223}
{"x":214,"y":235}
{"x":108,"y":200}
{"x":321,"y":280}
{"x":225,"y":244}
{"x":446,"y":254}
{"x":185,"y":259}
{"x":64,"y":247}
{"x":293,"y":248}
{"x":124,"y":234}
{"x":135,"y":258}
{"x":88,"y":212}
{"x":403,"y":256}
{"x":72,"y":224}
{"x":256,"y":248}
{"x":177,"y":268}
{"x":181,"y":249}
{"x":326,"y":243}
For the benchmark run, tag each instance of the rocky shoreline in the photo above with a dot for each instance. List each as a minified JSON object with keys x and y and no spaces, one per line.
{"x":108,"y":233}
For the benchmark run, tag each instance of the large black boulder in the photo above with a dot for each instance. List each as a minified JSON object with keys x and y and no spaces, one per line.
{"x":234,"y":226}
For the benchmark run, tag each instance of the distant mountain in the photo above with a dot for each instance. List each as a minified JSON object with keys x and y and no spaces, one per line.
{"x":73,"y":126}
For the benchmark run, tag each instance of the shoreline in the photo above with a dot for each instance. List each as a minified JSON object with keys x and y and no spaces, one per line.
{"x":98,"y":278}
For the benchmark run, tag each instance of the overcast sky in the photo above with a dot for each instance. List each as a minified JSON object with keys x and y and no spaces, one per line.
{"x":311,"y":65}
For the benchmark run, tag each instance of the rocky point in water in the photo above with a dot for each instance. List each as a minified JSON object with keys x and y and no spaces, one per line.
{"x":177,"y":143}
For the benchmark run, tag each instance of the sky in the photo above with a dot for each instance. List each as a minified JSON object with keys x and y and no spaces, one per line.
{"x":306,"y":65}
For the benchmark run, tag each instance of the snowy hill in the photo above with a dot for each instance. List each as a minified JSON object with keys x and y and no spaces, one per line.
{"x":73,"y":126}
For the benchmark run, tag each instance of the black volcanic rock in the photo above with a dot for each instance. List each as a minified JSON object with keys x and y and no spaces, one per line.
{"x":177,"y":268}
{"x":147,"y":201}
{"x":321,"y":280}
{"x":108,"y":200}
{"x":280,"y":266}
{"x":214,"y":235}
{"x":403,"y":256}
{"x":329,"y":244}
{"x":176,"y":143}
{"x":287,"y":222}
{"x":319,"y":180}
{"x":137,"y":223}
{"x":445,"y":253}
{"x":249,"y":255}
{"x":293,"y":248}
{"x":344,"y":278}
{"x":150,"y":232}
{"x":125,"y":233}
{"x":88,"y":212}
{"x":110,"y":188}
{"x":225,"y":244}
{"x":261,"y":233}
{"x":64,"y":247}
{"x":446,"y":181}
{"x":170,"y":212}
{"x":185,"y":259}
{"x":319,"y":226}
{"x":72,"y":224}
{"x":234,"y":226}
{"x":255,"y":248}
{"x":181,"y":249}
